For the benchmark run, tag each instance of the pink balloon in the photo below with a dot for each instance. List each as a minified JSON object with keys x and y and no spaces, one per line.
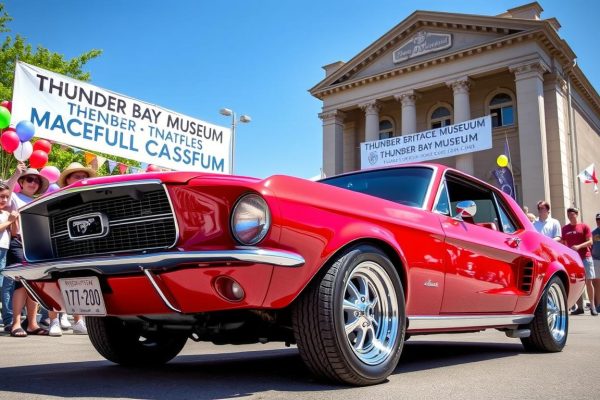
{"x":51,"y":173}
{"x":17,"y":188}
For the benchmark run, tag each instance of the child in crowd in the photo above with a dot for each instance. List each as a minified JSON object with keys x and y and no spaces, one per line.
{"x":7,"y":217}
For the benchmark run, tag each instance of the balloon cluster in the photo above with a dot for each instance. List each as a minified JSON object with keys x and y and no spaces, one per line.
{"x":16,"y":141}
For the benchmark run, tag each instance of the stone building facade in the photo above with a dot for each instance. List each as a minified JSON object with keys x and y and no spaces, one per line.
{"x":435,"y":69}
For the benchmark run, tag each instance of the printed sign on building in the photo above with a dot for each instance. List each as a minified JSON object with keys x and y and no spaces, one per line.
{"x":447,"y":141}
{"x":78,"y":114}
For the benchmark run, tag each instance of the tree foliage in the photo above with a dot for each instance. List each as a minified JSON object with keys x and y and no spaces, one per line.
{"x":15,"y":48}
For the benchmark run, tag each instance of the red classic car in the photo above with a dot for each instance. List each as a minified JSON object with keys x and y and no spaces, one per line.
{"x":347,"y":268}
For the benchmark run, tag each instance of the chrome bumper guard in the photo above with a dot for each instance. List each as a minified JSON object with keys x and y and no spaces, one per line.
{"x":117,"y":265}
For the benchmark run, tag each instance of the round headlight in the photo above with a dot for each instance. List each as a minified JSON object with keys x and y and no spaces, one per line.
{"x":250,"y":219}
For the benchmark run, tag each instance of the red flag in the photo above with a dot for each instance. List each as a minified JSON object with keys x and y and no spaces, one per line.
{"x":122,"y":168}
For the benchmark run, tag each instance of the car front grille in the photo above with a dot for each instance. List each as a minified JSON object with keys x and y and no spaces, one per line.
{"x":139,"y":221}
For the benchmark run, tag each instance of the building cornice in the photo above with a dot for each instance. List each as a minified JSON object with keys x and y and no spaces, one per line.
{"x":516,"y":31}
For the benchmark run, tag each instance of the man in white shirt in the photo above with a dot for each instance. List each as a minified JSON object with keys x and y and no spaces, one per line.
{"x":545,"y":224}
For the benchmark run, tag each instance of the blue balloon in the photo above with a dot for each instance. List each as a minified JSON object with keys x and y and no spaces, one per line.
{"x":25,"y":130}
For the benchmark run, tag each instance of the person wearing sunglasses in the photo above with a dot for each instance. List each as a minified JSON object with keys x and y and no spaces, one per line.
{"x":32,"y":184}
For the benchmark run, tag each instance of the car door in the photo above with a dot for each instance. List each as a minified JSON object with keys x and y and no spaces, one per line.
{"x":482,"y":254}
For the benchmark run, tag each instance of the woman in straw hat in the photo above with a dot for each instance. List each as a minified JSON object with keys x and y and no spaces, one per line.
{"x":32,"y":184}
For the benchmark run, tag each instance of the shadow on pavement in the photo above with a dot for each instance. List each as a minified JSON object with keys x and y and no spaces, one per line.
{"x":226,"y":375}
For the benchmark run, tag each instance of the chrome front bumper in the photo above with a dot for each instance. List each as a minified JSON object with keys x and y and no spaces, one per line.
{"x":116,"y":265}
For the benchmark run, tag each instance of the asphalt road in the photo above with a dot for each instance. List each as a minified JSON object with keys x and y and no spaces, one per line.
{"x":485,"y":365}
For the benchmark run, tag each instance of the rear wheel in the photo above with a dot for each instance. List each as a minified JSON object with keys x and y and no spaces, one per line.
{"x":550,"y":325}
{"x":350,"y":323}
{"x":128,"y":344}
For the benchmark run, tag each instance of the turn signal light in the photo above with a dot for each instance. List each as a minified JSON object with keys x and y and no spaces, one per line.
{"x":229,"y":289}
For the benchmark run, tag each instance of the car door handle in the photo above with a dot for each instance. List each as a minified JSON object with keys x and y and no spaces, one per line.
{"x":513,"y":242}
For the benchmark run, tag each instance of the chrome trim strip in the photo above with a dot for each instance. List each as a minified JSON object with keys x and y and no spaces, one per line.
{"x":33,"y":294}
{"x":61,"y":193}
{"x":150,"y":277}
{"x":149,"y":218}
{"x":426,"y":322}
{"x":172,"y":214}
{"x":111,"y":265}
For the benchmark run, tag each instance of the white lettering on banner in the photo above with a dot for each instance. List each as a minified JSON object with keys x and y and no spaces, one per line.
{"x":465,"y":137}
{"x":78,"y":114}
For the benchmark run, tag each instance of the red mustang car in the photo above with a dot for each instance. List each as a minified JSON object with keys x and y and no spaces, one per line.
{"x":347,"y":268}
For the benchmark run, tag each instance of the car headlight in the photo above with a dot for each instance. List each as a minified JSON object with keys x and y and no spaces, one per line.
{"x":250,"y":219}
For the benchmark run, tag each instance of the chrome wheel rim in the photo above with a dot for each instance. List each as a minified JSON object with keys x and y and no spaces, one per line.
{"x":370,"y":310}
{"x":556,"y":312}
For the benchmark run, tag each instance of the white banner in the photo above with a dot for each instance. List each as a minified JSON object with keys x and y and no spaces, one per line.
{"x":75,"y":113}
{"x":465,"y":137}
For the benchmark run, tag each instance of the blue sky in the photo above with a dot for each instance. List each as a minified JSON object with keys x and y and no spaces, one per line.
{"x":255,"y":57}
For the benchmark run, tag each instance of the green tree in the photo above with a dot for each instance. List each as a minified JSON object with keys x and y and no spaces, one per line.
{"x":15,"y":48}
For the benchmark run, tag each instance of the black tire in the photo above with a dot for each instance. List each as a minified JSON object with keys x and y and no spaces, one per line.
{"x":127,"y":344}
{"x":550,"y":325}
{"x":334,"y":301}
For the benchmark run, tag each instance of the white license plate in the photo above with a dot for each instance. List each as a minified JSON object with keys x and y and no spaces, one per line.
{"x":82,"y":296}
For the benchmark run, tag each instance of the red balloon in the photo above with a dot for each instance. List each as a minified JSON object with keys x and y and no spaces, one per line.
{"x":152,"y":168}
{"x":7,"y":104}
{"x":42,"y":145}
{"x":10,"y":141}
{"x":38,"y":159}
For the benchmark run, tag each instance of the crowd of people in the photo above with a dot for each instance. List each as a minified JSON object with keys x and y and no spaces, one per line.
{"x":14,"y":296}
{"x":579,"y":237}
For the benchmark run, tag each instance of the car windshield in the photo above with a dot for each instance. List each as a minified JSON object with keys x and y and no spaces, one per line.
{"x":407,"y":185}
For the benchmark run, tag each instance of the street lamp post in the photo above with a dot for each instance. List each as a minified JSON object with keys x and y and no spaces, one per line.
{"x":244,"y":119}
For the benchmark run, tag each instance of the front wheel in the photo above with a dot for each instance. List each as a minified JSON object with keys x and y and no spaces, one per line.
{"x":550,"y":325}
{"x":349,"y":323}
{"x":128,"y":344}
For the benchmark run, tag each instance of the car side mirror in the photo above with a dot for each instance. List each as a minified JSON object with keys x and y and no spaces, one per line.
{"x":465,"y":209}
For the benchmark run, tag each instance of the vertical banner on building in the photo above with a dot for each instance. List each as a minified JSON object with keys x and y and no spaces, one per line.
{"x":78,"y":114}
{"x":447,"y":141}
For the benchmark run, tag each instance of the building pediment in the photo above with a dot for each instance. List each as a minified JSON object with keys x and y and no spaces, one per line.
{"x":430,"y":37}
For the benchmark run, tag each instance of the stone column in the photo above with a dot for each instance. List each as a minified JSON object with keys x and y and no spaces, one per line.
{"x":409,"y":111}
{"x":371,"y":110}
{"x":560,"y":170}
{"x":462,"y":112}
{"x":333,"y":142}
{"x":532,"y":131}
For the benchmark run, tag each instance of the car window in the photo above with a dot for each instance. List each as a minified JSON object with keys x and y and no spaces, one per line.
{"x":508,"y":224}
{"x":407,"y":185}
{"x":487,"y":214}
{"x":443,"y":205}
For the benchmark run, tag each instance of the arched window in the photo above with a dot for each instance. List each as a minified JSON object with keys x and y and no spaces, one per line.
{"x":386,"y":129}
{"x":441,"y":116}
{"x":501,"y":110}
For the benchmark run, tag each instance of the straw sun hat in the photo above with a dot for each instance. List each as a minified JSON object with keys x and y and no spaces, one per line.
{"x":34,"y":172}
{"x":74,"y":167}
